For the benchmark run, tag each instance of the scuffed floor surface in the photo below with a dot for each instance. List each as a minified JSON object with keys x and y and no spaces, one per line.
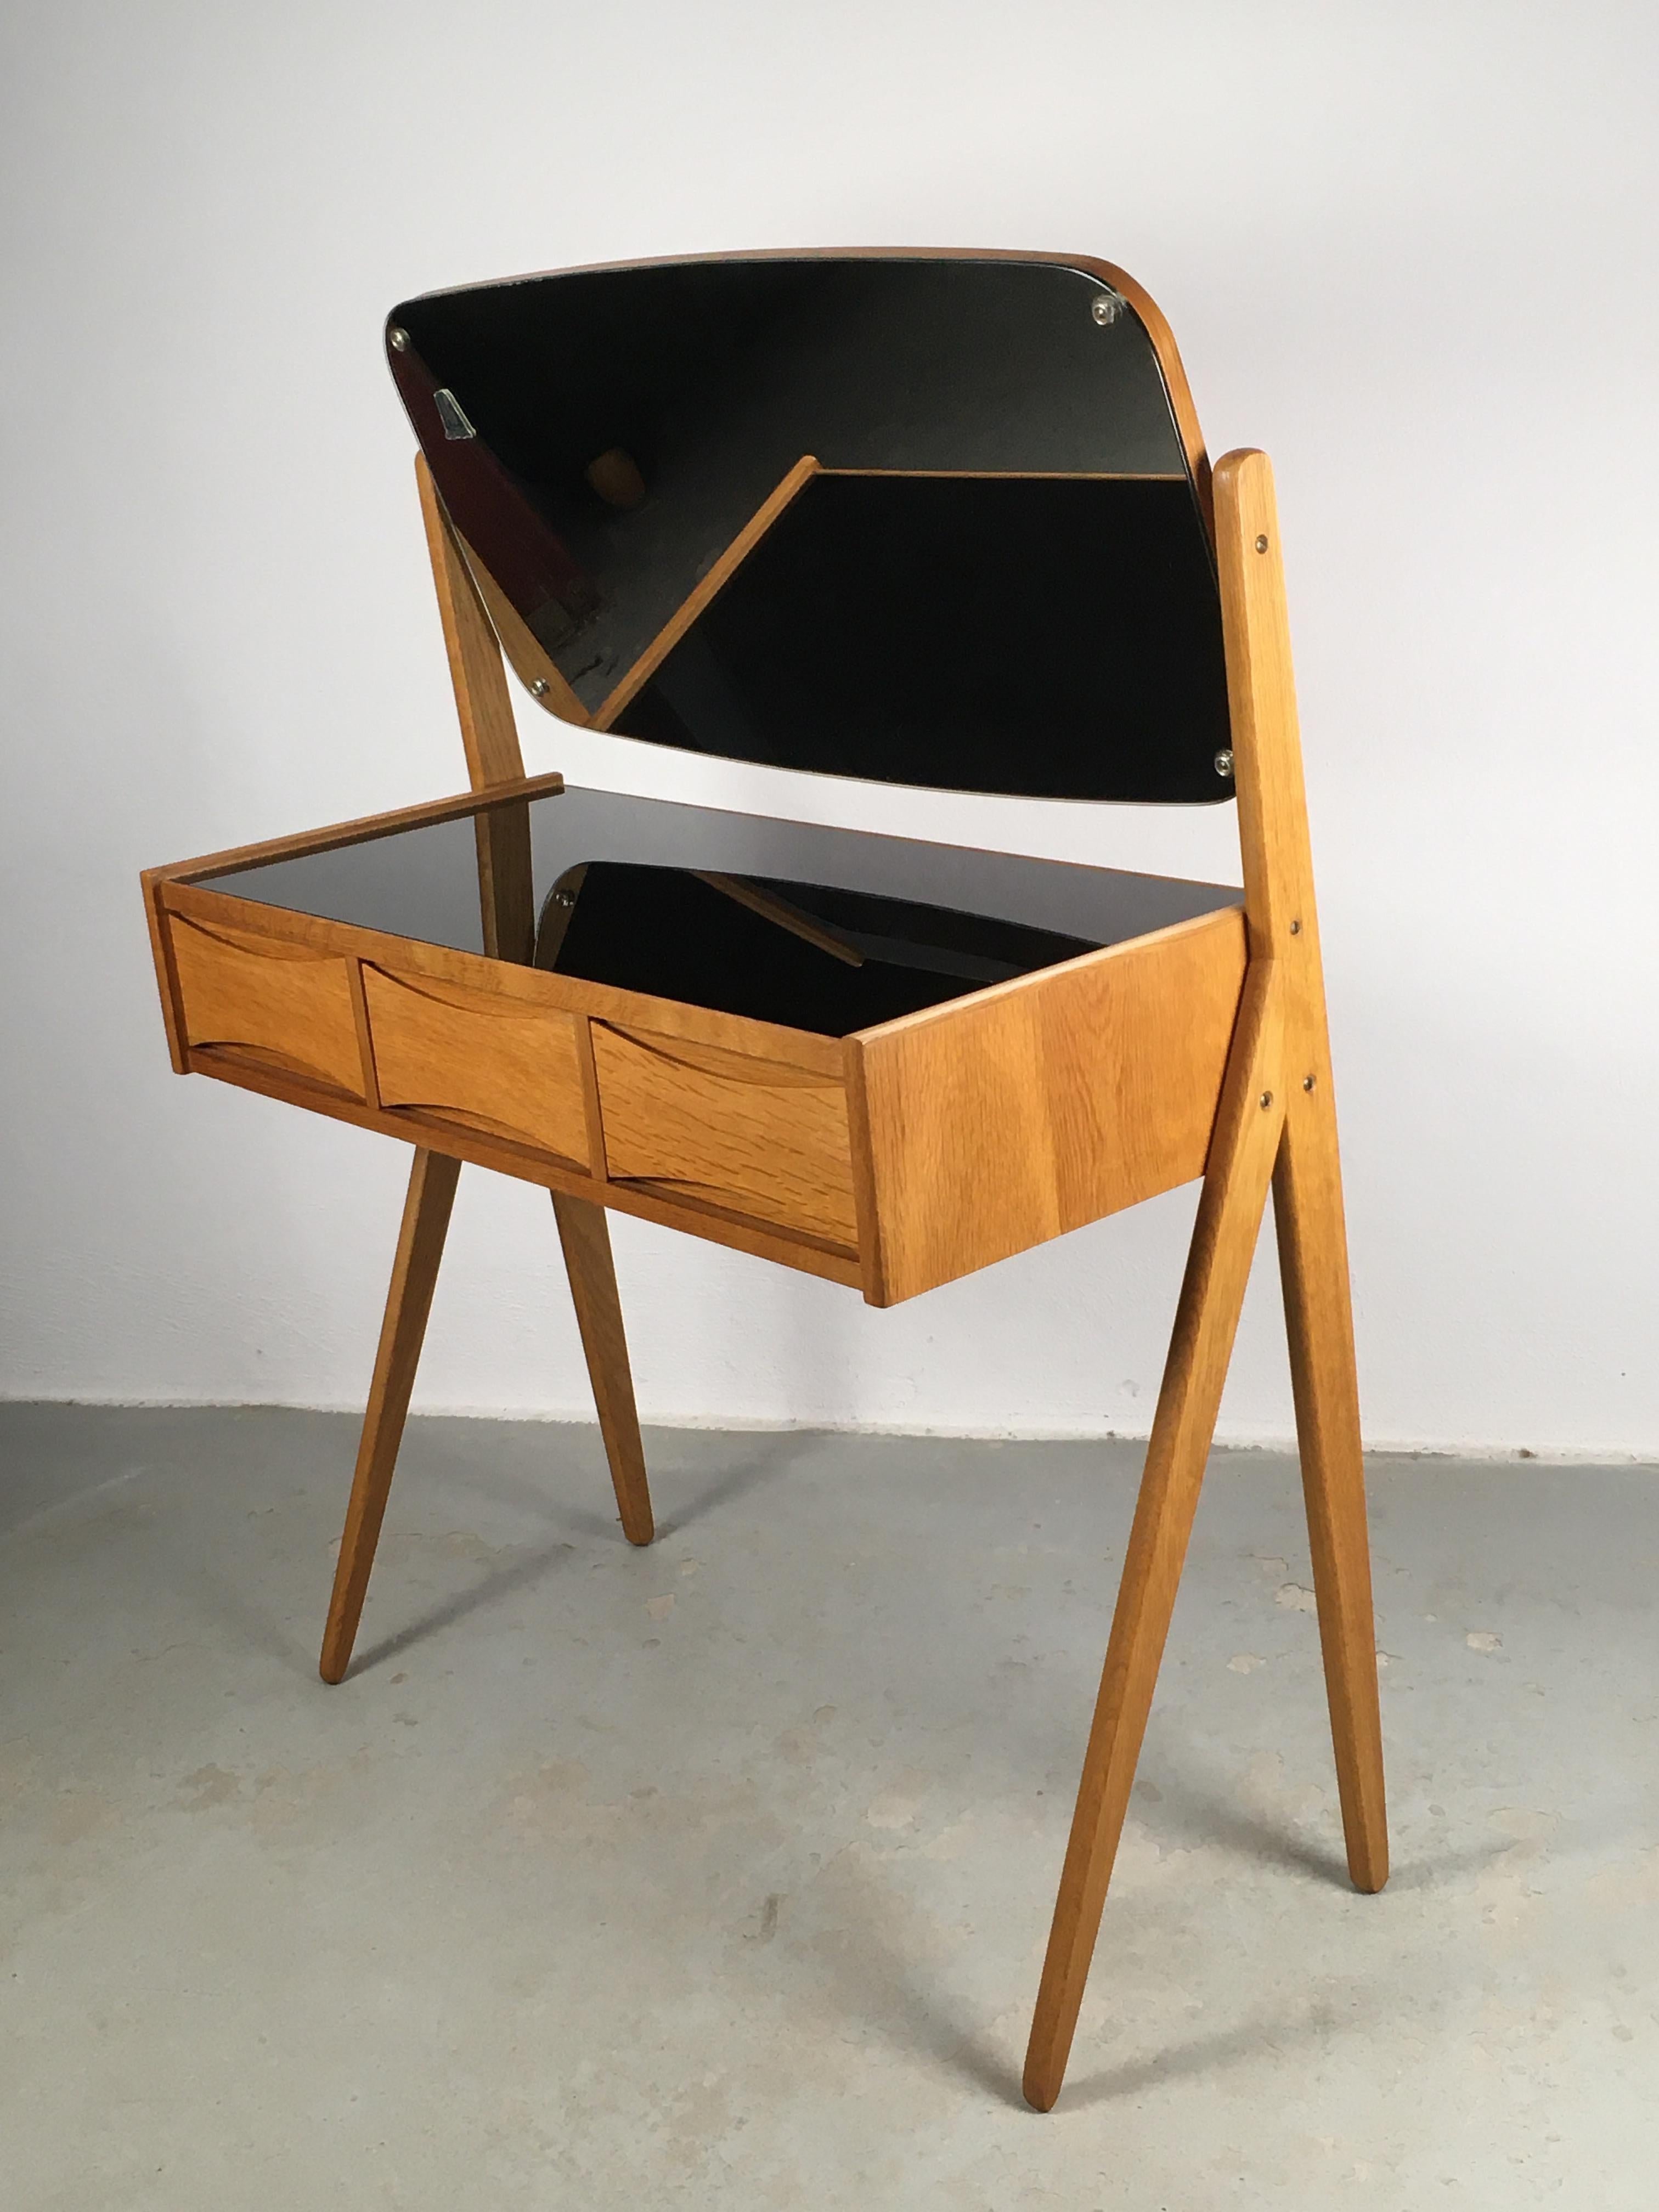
{"x":719,"y":1874}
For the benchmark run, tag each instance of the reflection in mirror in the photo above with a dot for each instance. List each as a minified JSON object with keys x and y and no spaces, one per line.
{"x":955,"y":485}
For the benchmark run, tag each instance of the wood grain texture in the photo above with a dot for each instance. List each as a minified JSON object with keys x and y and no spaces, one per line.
{"x":166,"y":975}
{"x":1308,"y":1183}
{"x":707,"y":591}
{"x":489,"y":733}
{"x":766,"y":1137}
{"x":584,"y":1238}
{"x":365,"y":1043}
{"x":994,"y":1123}
{"x":285,"y":1000}
{"x":510,"y":1069}
{"x":1206,"y":1318}
{"x":409,"y":1301}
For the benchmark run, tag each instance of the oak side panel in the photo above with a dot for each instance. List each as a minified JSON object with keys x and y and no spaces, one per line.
{"x":167,"y":980}
{"x":1001,"y":1121}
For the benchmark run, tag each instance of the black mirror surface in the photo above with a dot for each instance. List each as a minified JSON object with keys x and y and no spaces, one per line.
{"x":910,"y":518}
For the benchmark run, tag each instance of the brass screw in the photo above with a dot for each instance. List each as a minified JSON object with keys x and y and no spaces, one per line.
{"x":1266,"y":1100}
{"x":396,"y":339}
{"x":1295,"y":929}
{"x":1308,"y":1082}
{"x":1262,"y":543}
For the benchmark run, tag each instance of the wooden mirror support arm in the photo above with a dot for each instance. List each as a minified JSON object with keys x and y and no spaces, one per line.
{"x":1276,"y":1126}
{"x":506,"y":897}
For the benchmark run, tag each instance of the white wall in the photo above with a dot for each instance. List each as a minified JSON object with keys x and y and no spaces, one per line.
{"x":1410,"y":249}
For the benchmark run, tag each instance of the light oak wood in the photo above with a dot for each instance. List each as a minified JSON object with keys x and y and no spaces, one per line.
{"x":1206,"y":1318}
{"x":365,"y":1042}
{"x":585,"y":1237}
{"x":282,"y":999}
{"x":1308,"y":1182}
{"x":167,"y":975}
{"x":708,"y":590}
{"x":477,"y":1061}
{"x":534,"y":1056}
{"x":489,"y":734}
{"x":1281,"y":1054}
{"x":990,"y":1124}
{"x":409,"y":1301}
{"x":510,"y":1069}
{"x":765,"y":1136}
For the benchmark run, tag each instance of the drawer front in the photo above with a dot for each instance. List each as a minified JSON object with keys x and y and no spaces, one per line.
{"x":762,"y":1137}
{"x":283,"y":1001}
{"x":491,"y":1063}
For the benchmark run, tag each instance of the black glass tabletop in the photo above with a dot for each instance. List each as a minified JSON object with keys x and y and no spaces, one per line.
{"x":821,"y":929}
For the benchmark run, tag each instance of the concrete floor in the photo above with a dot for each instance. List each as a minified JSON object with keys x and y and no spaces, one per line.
{"x":719,"y":1874}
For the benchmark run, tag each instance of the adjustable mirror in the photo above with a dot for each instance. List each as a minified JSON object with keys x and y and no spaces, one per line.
{"x":918,"y":519}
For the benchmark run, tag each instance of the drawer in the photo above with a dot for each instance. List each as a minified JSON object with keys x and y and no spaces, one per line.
{"x":285,"y":1002}
{"x":762,"y":1137}
{"x":489,"y":1062}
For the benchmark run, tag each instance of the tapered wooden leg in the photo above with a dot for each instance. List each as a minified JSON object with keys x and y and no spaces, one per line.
{"x":585,"y":1237}
{"x":409,"y":1301}
{"x":1229,"y":1212}
{"x":1313,"y":1259}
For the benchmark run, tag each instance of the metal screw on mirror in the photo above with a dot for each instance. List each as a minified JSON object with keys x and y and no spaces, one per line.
{"x":1295,"y":929}
{"x":1106,"y":307}
{"x":1262,"y":544}
{"x":538,"y":687}
{"x":1223,"y":763}
{"x":1308,"y":1081}
{"x":396,"y":339}
{"x":564,"y":898}
{"x":1266,"y":1100}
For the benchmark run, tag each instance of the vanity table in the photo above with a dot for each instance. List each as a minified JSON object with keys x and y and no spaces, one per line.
{"x":939,"y":521}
